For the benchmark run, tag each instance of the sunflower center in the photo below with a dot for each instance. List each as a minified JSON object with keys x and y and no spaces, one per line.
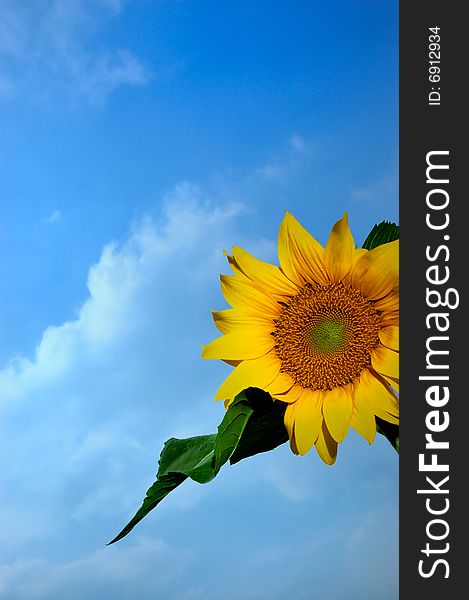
{"x":325,"y":334}
{"x":328,"y":336}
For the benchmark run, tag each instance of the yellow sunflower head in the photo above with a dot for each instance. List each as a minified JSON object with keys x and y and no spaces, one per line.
{"x":320,"y":332}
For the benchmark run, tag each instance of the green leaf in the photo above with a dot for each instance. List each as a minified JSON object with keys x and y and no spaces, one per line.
{"x":159,"y":490}
{"x":382,"y":233}
{"x":265,"y":430}
{"x":252,"y":424}
{"x":192,"y":457}
{"x":179,"y":459}
{"x":231,"y":429}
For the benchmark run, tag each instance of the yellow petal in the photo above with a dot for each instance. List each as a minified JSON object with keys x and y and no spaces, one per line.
{"x":289,"y":418}
{"x":392,"y":382}
{"x":239,"y":346}
{"x":242,"y":294}
{"x":234,"y":266}
{"x":339,"y":251}
{"x":291,"y":395}
{"x":258,"y":372}
{"x":389,"y":337}
{"x":377,"y":271}
{"x":326,"y":446}
{"x":389,"y":302}
{"x":337,"y":409}
{"x":389,"y":318}
{"x":374,"y":390}
{"x":300,"y":255}
{"x":385,"y":361}
{"x":363,"y":416}
{"x":232,"y":320}
{"x":289,"y":421}
{"x":280,"y":385}
{"x":263,"y":274}
{"x":232,"y":363}
{"x":293,"y":447}
{"x":358,"y":253}
{"x":308,"y":420}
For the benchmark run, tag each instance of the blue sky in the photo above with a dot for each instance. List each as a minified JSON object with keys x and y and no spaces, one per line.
{"x":139,"y":140}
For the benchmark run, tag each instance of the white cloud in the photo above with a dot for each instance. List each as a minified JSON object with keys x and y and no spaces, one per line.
{"x":281,"y":168}
{"x":130,"y":570}
{"x":374,"y":192}
{"x":54,"y":217}
{"x":190,"y":234}
{"x":306,"y":567}
{"x":94,"y":403}
{"x":298,"y":143}
{"x":275,"y":171}
{"x":47,"y":51}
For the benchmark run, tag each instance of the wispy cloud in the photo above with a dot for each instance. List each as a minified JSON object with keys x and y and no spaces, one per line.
{"x":151,"y":567}
{"x":54,"y":217}
{"x":86,"y":397}
{"x":49,"y":50}
{"x":376,"y":191}
{"x":279,"y":169}
{"x":378,"y":197}
{"x":148,"y":562}
{"x":124,"y":276}
{"x":298,"y":144}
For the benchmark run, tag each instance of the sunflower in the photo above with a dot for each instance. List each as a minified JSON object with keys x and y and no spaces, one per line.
{"x":320,"y":333}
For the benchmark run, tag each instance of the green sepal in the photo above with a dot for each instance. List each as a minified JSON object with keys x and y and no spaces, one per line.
{"x":382,"y":233}
{"x":390,"y":432}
